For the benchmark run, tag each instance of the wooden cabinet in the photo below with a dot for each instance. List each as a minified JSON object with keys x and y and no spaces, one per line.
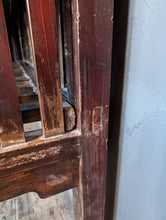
{"x":55,"y":41}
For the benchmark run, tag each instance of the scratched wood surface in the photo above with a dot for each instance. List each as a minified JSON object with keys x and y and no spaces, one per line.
{"x":49,"y":159}
{"x":95,"y":20}
{"x":43,"y":22}
{"x":31,"y":207}
{"x":11,"y":126}
{"x":28,"y":97}
{"x":46,"y":168}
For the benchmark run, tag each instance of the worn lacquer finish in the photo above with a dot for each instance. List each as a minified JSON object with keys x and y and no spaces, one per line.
{"x":54,"y":164}
{"x":42,"y":16}
{"x":95,"y":20}
{"x":44,"y":167}
{"x":38,"y":153}
{"x":46,"y":181}
{"x":11,"y":126}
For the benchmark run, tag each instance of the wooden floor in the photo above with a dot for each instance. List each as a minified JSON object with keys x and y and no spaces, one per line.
{"x":31,"y":207}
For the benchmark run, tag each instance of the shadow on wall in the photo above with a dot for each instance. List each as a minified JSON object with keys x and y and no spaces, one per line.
{"x":117,"y":78}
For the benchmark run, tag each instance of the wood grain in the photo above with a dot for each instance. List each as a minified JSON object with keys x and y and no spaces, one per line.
{"x":38,"y":155}
{"x":42,"y":16}
{"x":28,"y":97}
{"x":11,"y":126}
{"x":46,"y":181}
{"x":52,"y":160}
{"x":95,"y":19}
{"x":46,"y":168}
{"x":31,"y":113}
{"x":69,"y":116}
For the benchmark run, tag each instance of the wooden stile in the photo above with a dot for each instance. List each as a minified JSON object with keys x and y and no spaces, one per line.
{"x":42,"y":16}
{"x":11,"y":126}
{"x":95,"y":19}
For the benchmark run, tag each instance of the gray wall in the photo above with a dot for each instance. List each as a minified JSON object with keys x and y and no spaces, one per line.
{"x":141,"y":186}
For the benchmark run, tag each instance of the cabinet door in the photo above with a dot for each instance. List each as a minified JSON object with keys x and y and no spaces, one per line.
{"x":59,"y":158}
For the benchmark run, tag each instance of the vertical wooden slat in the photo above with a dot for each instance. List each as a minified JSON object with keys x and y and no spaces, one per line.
{"x":95,"y":19}
{"x":42,"y":16}
{"x":11,"y":126}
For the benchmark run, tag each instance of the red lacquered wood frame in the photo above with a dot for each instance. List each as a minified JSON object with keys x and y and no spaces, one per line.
{"x":43,"y":23}
{"x":78,"y":158}
{"x":11,"y":127}
{"x":95,"y":30}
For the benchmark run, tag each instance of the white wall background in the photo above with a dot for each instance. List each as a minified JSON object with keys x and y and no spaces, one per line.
{"x":141,"y":191}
